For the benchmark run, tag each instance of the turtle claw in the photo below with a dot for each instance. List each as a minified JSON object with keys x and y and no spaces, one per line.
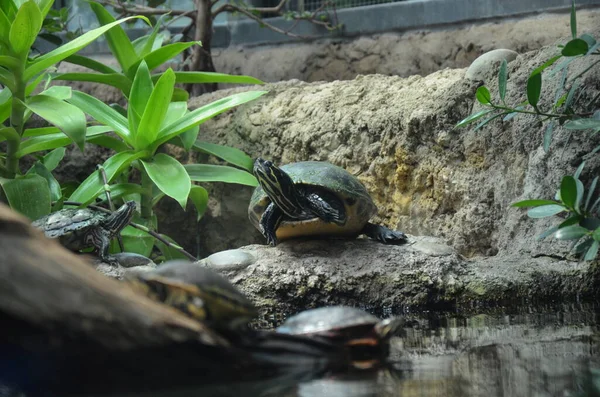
{"x":384,"y":234}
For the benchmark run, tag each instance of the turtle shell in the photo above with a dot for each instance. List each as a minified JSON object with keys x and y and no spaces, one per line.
{"x":67,"y":221}
{"x":328,"y":320}
{"x":218,"y":301}
{"x":332,"y":179}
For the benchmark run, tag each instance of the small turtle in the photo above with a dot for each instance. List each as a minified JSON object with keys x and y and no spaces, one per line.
{"x":365,"y":335}
{"x":80,"y":228}
{"x":313,"y":198}
{"x":198,"y":292}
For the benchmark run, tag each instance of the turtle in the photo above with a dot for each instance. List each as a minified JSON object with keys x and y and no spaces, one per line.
{"x":366,"y":335}
{"x":80,"y":228}
{"x":198,"y":292}
{"x":313,"y":198}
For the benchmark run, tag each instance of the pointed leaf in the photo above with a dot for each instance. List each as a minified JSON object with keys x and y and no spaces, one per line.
{"x":25,"y":27}
{"x":9,"y":133}
{"x":163,"y":54}
{"x":204,"y":113}
{"x":592,"y":252}
{"x":4,"y":28}
{"x":116,"y":80}
{"x":155,"y":111}
{"x":93,"y":185}
{"x":45,"y":6}
{"x":61,"y":92}
{"x":590,"y":194}
{"x":473,"y":117}
{"x":141,"y":90}
{"x":211,"y":77}
{"x":533,"y":203}
{"x":199,"y":197}
{"x":109,"y":142}
{"x":545,"y":211}
{"x":169,"y":176}
{"x":9,"y":62}
{"x":28,"y":195}
{"x":52,"y":159}
{"x":573,"y":20}
{"x":168,"y":252}
{"x":103,"y":113}
{"x":53,"y":185}
{"x":219,"y":173}
{"x":144,"y":47}
{"x":574,"y":232}
{"x":502,"y":77}
{"x":548,"y":136}
{"x":60,"y":53}
{"x":534,"y":88}
{"x":547,"y":233}
{"x":90,"y":64}
{"x":52,"y":141}
{"x":188,"y":137}
{"x":117,"y":39}
{"x":65,"y":116}
{"x":230,"y":154}
{"x":582,"y":124}
{"x":568,"y":191}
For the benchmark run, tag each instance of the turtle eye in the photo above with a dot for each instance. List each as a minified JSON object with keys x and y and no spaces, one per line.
{"x":198,"y":302}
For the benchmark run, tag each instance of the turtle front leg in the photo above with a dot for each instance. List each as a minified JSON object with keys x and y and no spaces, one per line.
{"x":269,"y":223}
{"x":329,"y":209}
{"x":384,"y":234}
{"x":100,"y":239}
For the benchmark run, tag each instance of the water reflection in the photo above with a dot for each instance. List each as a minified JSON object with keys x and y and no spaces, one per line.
{"x":531,"y":353}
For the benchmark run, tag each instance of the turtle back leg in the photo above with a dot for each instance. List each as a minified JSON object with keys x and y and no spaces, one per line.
{"x":384,"y":234}
{"x":269,"y":222}
{"x":326,"y":206}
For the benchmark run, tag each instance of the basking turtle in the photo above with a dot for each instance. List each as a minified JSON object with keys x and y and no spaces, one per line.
{"x":198,"y":292}
{"x":365,"y":335}
{"x":80,"y":228}
{"x":313,"y":198}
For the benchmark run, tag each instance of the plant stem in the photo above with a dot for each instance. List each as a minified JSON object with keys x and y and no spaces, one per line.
{"x":16,"y":121}
{"x":146,"y":203}
{"x":550,"y":115}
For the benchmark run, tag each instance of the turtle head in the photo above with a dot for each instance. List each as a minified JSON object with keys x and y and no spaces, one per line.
{"x":120,"y":218}
{"x":389,"y":327}
{"x":278,"y":185}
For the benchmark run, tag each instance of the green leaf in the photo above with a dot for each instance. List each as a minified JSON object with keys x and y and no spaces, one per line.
{"x":199,"y":197}
{"x":90,"y":64}
{"x":582,"y":124}
{"x":219,"y":173}
{"x":53,"y":185}
{"x":486,"y":121}
{"x":579,"y":170}
{"x":188,"y":138}
{"x":211,"y":77}
{"x":93,"y":185}
{"x":117,"y":39}
{"x":573,"y":20}
{"x":25,"y":28}
{"x":473,"y":117}
{"x":483,"y":95}
{"x":138,"y":97}
{"x":137,"y":241}
{"x":204,"y":113}
{"x":169,"y":176}
{"x":592,"y":252}
{"x":533,"y":203}
{"x":547,"y":233}
{"x":596,"y":234}
{"x":502,"y":77}
{"x":168,"y":252}
{"x":231,"y":155}
{"x":9,"y":62}
{"x":180,"y":95}
{"x":28,"y":195}
{"x":122,"y":189}
{"x":62,"y":52}
{"x":575,"y":47}
{"x":163,"y":54}
{"x":144,"y":45}
{"x":109,"y":142}
{"x":568,"y":191}
{"x":30,"y":132}
{"x":45,"y":6}
{"x":34,"y":84}
{"x":574,"y":220}
{"x":10,"y":134}
{"x":61,"y":92}
{"x":103,"y":113}
{"x":65,"y":116}
{"x":116,"y":80}
{"x":548,"y":135}
{"x":571,"y":94}
{"x":574,"y":232}
{"x":52,"y":141}
{"x":52,"y":159}
{"x":579,"y":198}
{"x":545,"y":65}
{"x":155,"y":111}
{"x":4,"y":28}
{"x":175,"y":112}
{"x":545,"y":211}
{"x":534,"y":88}
{"x":590,"y":194}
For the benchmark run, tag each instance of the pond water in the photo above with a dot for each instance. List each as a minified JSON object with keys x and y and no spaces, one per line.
{"x":552,"y":351}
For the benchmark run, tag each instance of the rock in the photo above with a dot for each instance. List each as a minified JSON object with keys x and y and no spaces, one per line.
{"x":235,"y":259}
{"x":299,"y":274}
{"x":131,"y":259}
{"x":481,"y":67}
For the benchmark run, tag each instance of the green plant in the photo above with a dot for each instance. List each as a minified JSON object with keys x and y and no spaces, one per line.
{"x":582,"y":224}
{"x":153,"y":120}
{"x":20,"y":74}
{"x":130,"y":54}
{"x":561,"y":112}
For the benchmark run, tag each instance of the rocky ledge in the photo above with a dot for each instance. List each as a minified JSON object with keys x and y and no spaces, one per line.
{"x":425,"y":273}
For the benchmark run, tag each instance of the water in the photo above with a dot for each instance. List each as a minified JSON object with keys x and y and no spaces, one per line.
{"x":512,"y":352}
